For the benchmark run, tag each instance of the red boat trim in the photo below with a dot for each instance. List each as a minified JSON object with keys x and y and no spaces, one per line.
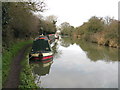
{"x":48,"y":57}
{"x":41,"y":38}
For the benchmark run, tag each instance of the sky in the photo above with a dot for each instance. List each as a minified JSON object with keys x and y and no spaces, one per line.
{"x":76,"y":12}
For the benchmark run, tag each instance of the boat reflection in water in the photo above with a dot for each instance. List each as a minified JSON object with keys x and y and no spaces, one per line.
{"x":40,"y":69}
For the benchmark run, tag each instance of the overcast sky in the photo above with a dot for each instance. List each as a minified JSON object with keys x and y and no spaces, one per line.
{"x":78,"y":11}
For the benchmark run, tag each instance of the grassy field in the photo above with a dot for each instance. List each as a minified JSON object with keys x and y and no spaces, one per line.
{"x":7,"y":57}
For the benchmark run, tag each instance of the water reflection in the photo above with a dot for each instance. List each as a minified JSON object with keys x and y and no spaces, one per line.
{"x":79,"y":64}
{"x":94,"y":52}
{"x":40,"y":69}
{"x":56,"y":52}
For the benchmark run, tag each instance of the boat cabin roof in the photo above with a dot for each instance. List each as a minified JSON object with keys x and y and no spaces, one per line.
{"x":41,"y":45}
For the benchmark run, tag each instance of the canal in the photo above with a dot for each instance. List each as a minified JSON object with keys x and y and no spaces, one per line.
{"x":79,"y":64}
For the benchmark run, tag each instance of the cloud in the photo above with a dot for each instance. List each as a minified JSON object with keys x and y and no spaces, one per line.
{"x":78,"y":11}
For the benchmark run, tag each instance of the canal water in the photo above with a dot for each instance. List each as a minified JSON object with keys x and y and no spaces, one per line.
{"x":79,"y":64}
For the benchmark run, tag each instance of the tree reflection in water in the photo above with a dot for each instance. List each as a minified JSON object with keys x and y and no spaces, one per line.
{"x":79,"y":71}
{"x":93,"y":51}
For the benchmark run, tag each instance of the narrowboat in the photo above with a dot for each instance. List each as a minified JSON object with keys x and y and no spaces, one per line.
{"x":41,"y":50}
{"x":51,"y":38}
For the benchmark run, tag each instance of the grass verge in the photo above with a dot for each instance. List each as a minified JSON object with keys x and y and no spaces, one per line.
{"x":27,"y":80}
{"x":7,"y":57}
{"x":0,"y":79}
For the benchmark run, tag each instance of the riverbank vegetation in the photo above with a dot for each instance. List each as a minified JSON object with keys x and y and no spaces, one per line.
{"x":27,"y":80}
{"x":103,"y":31}
{"x":93,"y":51}
{"x":20,"y":23}
{"x":8,"y":56}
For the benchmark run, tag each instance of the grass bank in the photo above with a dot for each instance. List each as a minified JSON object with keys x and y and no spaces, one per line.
{"x":0,"y":79}
{"x":8,"y":56}
{"x":27,"y":80}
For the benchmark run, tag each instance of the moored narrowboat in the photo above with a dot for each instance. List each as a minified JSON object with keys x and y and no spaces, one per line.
{"x":41,"y":50}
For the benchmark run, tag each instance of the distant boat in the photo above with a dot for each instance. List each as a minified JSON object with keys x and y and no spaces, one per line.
{"x":56,"y":36}
{"x":41,"y":50}
{"x":51,"y":37}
